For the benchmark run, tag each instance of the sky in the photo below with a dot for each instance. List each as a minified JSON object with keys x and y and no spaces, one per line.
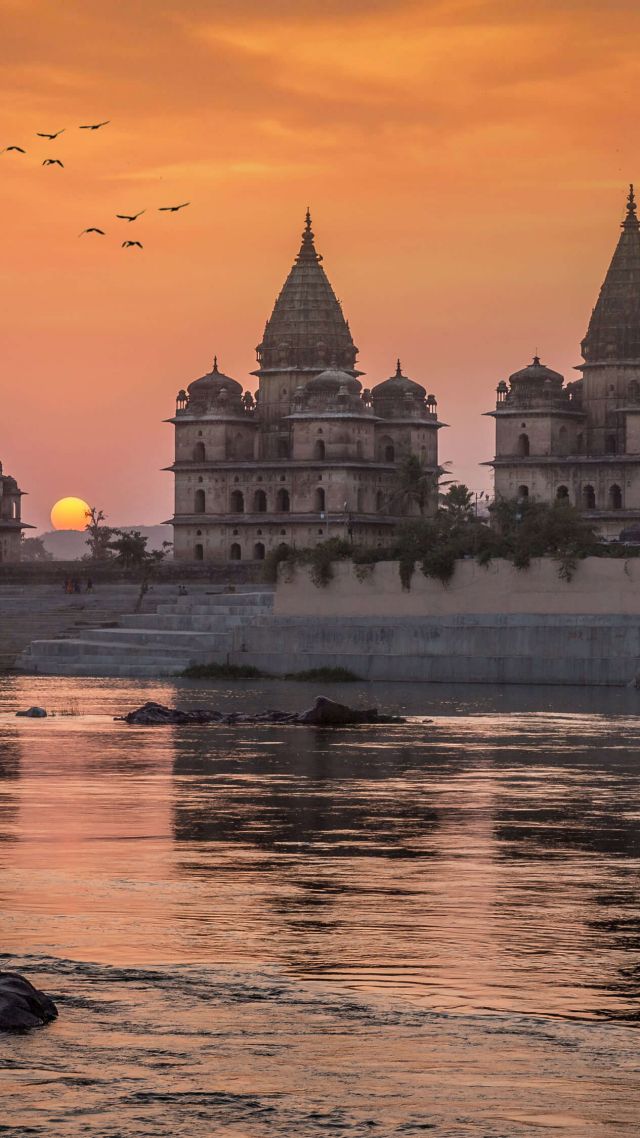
{"x":466,"y":163}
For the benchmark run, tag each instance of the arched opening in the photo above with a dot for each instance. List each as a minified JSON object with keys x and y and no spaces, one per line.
{"x":360,"y":500}
{"x":523,"y":446}
{"x":258,"y":551}
{"x":563,"y":441}
{"x":389,"y":453}
{"x":199,"y":452}
{"x":359,"y":449}
{"x":259,"y":502}
{"x":282,"y":501}
{"x":611,"y":446}
{"x":318,"y":499}
{"x":615,"y":497}
{"x":199,"y":506}
{"x":523,"y":491}
{"x":633,"y":391}
{"x":386,"y":449}
{"x":588,"y":498}
{"x":198,"y":552}
{"x":379,"y":501}
{"x":235,"y":553}
{"x":319,"y":449}
{"x":579,"y":443}
{"x":562,"y":492}
{"x":237,"y":502}
{"x":283,"y":448}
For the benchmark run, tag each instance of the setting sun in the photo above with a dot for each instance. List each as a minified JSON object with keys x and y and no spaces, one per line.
{"x":69,"y":513}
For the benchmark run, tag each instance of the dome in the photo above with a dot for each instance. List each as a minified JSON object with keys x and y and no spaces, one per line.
{"x":398,"y":385}
{"x":213,"y":383}
{"x":330,"y":381}
{"x":536,"y":372}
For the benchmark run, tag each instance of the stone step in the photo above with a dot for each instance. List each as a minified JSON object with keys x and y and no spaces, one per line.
{"x":63,"y":649}
{"x":128,"y":638}
{"x":186,"y":622}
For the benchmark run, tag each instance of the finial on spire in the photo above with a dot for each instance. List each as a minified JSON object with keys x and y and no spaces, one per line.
{"x":631,"y":200}
{"x":307,"y":249}
{"x":215,"y":363}
{"x":307,"y":220}
{"x":398,"y":369}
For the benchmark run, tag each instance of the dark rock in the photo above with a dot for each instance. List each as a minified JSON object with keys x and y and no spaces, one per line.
{"x":21,"y":1005}
{"x":324,"y":713}
{"x":33,"y":713}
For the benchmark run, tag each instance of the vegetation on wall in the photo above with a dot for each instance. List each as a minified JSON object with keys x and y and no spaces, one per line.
{"x":517,"y":530}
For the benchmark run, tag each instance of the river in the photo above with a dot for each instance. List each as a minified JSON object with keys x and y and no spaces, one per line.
{"x":280,"y":932}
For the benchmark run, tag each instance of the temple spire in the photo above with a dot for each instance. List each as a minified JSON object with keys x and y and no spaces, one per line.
{"x":398,"y":369}
{"x":614,"y":328}
{"x":215,"y":363}
{"x":307,"y":248}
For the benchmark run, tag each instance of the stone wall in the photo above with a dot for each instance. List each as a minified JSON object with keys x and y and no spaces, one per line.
{"x":600,"y":586}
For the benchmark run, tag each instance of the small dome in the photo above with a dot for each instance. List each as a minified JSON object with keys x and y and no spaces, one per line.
{"x":398,"y":385}
{"x":213,"y":383}
{"x":536,"y":372}
{"x":330,"y":381}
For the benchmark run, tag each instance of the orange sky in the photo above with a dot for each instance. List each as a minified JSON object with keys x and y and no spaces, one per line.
{"x":465,"y":162}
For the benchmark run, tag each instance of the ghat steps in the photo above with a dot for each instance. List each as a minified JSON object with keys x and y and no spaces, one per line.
{"x":194,"y":629}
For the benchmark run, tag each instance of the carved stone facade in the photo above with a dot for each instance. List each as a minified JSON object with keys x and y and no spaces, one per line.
{"x":581,"y":440}
{"x":313,"y":455}
{"x":11,"y":525}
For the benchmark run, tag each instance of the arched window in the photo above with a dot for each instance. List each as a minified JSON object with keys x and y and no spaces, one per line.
{"x":389,"y":453}
{"x":283,"y":448}
{"x":633,"y":391}
{"x":237,"y":502}
{"x":588,"y":498}
{"x":562,"y":492}
{"x":199,"y":452}
{"x":235,"y":553}
{"x":282,"y":501}
{"x":386,"y":449}
{"x":360,"y":500}
{"x":198,"y":552}
{"x":319,"y":449}
{"x":579,"y":443}
{"x":615,"y":497}
{"x":379,"y":501}
{"x":199,"y":506}
{"x":258,"y":551}
{"x":523,"y":491}
{"x":259,"y":502}
{"x":563,"y":441}
{"x":523,"y":446}
{"x":318,"y":500}
{"x":611,"y":445}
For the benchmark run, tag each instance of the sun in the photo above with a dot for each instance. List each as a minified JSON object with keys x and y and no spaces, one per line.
{"x":69,"y":513}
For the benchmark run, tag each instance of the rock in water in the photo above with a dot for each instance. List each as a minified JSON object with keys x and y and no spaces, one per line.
{"x":33,"y":713}
{"x":327,"y":713}
{"x":21,"y":1005}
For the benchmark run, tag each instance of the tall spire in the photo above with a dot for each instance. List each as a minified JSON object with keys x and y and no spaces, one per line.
{"x":614,"y":328}
{"x":307,"y":327}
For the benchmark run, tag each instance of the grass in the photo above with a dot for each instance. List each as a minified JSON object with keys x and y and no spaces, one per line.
{"x":222,"y":672}
{"x":329,"y":675}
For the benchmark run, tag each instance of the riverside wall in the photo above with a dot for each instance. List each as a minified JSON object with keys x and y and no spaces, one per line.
{"x":488,"y":625}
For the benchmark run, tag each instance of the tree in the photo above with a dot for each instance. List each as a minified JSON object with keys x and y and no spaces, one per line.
{"x":457,"y":504}
{"x":98,"y":535}
{"x":415,"y":485}
{"x":33,"y":549}
{"x":130,"y":548}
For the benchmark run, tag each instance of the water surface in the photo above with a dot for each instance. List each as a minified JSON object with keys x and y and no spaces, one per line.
{"x":279,"y":931}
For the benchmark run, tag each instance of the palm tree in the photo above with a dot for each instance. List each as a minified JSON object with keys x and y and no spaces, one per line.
{"x":416,"y":485}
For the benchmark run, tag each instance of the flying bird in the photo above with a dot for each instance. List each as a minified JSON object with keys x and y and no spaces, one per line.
{"x":53,"y":162}
{"x":130,"y":216}
{"x":129,"y":244}
{"x":94,"y":125}
{"x":18,"y":148}
{"x":41,"y":134}
{"x":92,"y":229}
{"x":172,"y":208}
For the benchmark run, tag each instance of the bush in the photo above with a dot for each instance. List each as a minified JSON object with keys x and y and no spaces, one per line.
{"x":329,"y":675}
{"x":222,"y":672}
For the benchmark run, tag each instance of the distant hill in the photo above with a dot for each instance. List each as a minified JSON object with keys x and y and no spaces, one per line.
{"x":71,"y":545}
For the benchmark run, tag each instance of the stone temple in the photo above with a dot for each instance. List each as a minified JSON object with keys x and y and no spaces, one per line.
{"x":312,"y":455}
{"x":581,"y":440}
{"x":11,"y":524}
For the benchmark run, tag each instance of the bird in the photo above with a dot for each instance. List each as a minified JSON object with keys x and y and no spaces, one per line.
{"x":92,"y":229}
{"x":18,"y":148}
{"x":172,"y":208}
{"x":94,"y":125}
{"x":128,"y":244}
{"x":53,"y":162}
{"x":130,"y":216}
{"x":41,"y":134}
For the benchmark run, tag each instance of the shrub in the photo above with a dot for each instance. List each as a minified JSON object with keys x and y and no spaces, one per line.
{"x":222,"y":672}
{"x":329,"y":675}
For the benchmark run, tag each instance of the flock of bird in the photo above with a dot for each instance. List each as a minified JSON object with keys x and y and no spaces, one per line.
{"x":120,"y":216}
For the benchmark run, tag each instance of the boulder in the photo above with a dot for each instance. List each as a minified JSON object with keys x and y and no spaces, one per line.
{"x":21,"y":1005}
{"x":33,"y":713}
{"x":324,"y":713}
{"x":327,"y":713}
